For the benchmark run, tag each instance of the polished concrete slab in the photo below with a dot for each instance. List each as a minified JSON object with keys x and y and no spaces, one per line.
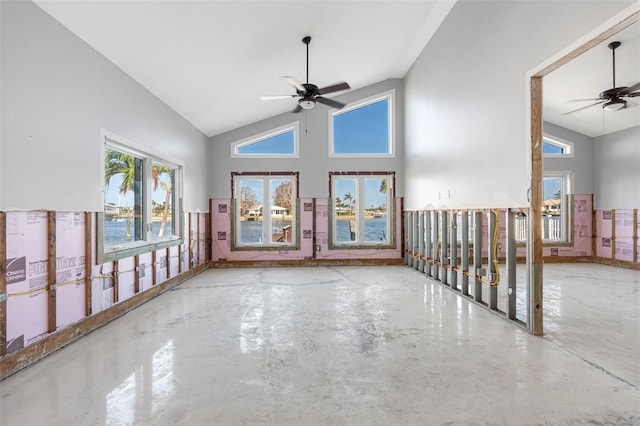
{"x":345,"y":346}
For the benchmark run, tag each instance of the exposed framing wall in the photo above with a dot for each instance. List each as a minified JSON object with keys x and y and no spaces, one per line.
{"x":57,"y":287}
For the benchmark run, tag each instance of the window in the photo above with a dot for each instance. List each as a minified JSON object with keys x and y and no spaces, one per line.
{"x":265,"y":210}
{"x":362,"y":209}
{"x":275,"y":143}
{"x":141,"y":190}
{"x":555,"y":147}
{"x":556,"y":187}
{"x":364,"y":129}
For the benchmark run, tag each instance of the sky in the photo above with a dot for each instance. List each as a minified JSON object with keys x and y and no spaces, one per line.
{"x":112,"y":192}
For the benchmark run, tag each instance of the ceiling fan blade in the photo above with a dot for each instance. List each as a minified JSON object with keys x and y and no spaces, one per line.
{"x":271,"y":98}
{"x":632,"y":95}
{"x":630,"y":90}
{"x":334,"y":88}
{"x":585,"y":107}
{"x":330,"y":102}
{"x":583,"y":100}
{"x":297,"y":109}
{"x":294,"y":82}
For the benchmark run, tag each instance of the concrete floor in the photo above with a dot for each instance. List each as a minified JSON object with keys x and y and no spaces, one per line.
{"x":347,"y":345}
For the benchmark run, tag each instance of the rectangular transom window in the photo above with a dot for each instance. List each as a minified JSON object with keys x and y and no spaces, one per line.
{"x":555,"y":147}
{"x":265,"y":210}
{"x":364,"y":129}
{"x":141,"y":192}
{"x":275,"y":143}
{"x":362,"y":209}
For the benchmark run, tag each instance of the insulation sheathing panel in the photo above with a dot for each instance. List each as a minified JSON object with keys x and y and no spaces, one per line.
{"x":604,"y":235}
{"x":70,"y":268}
{"x":126,"y":278}
{"x":27,"y":266}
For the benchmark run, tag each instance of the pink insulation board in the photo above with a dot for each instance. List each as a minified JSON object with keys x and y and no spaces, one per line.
{"x":70,"y":268}
{"x":322,"y":238}
{"x":26,"y":240}
{"x":624,"y":223}
{"x":221,"y":235}
{"x":624,"y":248}
{"x":604,"y":228}
{"x":144,"y":264}
{"x":126,"y":278}
{"x":161,"y":266}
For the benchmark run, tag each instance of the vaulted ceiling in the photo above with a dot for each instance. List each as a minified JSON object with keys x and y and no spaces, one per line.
{"x":585,"y":77}
{"x":211,"y":60}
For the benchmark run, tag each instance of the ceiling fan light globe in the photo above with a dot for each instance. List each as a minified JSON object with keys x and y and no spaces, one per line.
{"x":307,"y":103}
{"x":614,"y":105}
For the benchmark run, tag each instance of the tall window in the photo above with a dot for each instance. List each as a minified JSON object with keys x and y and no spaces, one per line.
{"x":275,"y":143}
{"x":265,"y":210}
{"x":555,"y":209}
{"x":141,"y":187}
{"x":364,"y":129}
{"x":362,"y":208}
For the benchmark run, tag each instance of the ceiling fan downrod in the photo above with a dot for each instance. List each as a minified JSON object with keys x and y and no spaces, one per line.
{"x":306,"y":41}
{"x":613,"y":46}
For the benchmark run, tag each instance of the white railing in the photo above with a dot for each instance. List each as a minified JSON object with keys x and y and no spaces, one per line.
{"x":551,"y":228}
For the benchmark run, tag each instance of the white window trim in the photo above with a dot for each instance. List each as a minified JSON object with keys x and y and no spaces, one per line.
{"x":268,"y":230}
{"x":360,"y":222}
{"x":566,"y":190}
{"x":567,"y":146}
{"x":390,"y":95}
{"x":151,"y":156}
{"x":295,"y":127}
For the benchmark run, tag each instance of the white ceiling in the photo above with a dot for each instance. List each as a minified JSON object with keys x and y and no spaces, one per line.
{"x":211,"y":60}
{"x":585,"y":77}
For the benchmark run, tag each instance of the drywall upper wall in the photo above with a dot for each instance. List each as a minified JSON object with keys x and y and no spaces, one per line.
{"x":465,"y":98}
{"x":314,"y":163}
{"x":581,"y":164}
{"x":57,"y":94}
{"x":617,"y":174}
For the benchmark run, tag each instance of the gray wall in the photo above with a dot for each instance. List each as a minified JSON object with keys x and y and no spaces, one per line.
{"x":57,"y":93}
{"x":582,"y":162}
{"x":314,"y":163}
{"x":617,"y":170}
{"x":465,"y":98}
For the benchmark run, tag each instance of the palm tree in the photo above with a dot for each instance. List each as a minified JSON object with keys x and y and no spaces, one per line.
{"x":383,"y":186}
{"x":119,"y":163}
{"x":156,"y":171}
{"x":349,"y":197}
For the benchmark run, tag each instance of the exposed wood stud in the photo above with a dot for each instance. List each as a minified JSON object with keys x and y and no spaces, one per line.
{"x":153,"y":268}
{"x":88,"y":261}
{"x":613,"y":234}
{"x":535,"y":210}
{"x":636,"y":243}
{"x":189,"y":244}
{"x":116,"y":282}
{"x":51,"y":271}
{"x":168,"y":261}
{"x":3,"y":283}
{"x":136,"y":274}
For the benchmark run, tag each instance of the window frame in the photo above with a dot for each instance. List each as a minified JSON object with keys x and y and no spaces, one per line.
{"x":360,"y":243}
{"x":149,"y":156}
{"x":266,"y":245}
{"x":565,"y":145}
{"x":267,"y":134}
{"x":391,"y":147}
{"x":566,"y":234}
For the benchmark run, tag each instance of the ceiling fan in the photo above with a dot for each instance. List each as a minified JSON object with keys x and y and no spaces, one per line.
{"x":611,"y":99}
{"x":309,"y":93}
